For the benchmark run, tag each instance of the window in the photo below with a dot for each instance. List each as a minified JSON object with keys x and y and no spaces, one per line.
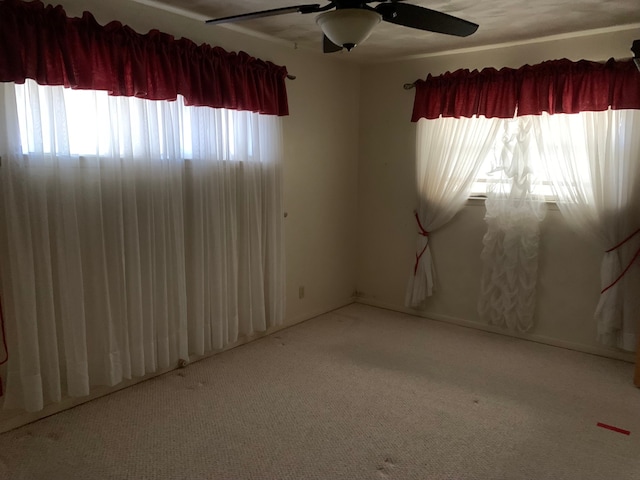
{"x":99,"y":124}
{"x":515,"y":136}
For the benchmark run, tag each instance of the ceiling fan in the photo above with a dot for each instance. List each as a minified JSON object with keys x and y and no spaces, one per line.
{"x":347,"y":23}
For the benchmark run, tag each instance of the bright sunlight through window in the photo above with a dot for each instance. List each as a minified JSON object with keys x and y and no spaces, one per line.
{"x":493,"y":168}
{"x":97,"y":123}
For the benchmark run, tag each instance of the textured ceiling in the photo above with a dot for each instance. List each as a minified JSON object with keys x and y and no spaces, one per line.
{"x":500,"y":21}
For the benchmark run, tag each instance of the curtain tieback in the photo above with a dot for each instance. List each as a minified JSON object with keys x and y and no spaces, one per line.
{"x":4,"y":342}
{"x":637,"y":254}
{"x":422,"y":231}
{"x":425,"y":234}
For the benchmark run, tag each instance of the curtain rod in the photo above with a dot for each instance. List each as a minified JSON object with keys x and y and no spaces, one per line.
{"x":291,"y":77}
{"x":636,"y":60}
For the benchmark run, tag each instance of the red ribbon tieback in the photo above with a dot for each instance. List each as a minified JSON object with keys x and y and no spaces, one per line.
{"x":4,"y":339}
{"x":630,"y":263}
{"x":424,"y":233}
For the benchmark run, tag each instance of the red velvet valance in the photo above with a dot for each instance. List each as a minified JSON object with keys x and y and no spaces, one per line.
{"x":556,"y":86}
{"x":43,"y":44}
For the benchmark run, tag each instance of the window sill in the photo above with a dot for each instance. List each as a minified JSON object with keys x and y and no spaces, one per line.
{"x":478,"y":201}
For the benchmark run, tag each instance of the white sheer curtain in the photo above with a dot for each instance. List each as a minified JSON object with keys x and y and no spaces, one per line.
{"x":594,"y":167}
{"x":132,"y":236}
{"x":449,"y":152}
{"x":513,"y":216}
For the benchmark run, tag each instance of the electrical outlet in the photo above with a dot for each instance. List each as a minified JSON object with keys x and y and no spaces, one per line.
{"x":301,"y":291}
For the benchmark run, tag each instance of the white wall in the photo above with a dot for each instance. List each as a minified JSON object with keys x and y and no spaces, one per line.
{"x":321,"y":151}
{"x":569,"y":267}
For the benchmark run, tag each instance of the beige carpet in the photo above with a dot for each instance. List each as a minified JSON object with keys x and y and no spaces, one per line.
{"x":360,"y":393}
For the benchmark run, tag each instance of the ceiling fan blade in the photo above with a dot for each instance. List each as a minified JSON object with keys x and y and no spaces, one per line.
{"x":328,"y":46}
{"x":422,"y":18}
{"x":307,"y":8}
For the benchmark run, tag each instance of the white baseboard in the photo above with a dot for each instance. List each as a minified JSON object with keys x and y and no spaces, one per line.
{"x":321,"y":311}
{"x":600,"y":351}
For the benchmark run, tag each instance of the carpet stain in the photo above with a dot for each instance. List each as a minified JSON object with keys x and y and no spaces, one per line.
{"x":53,"y":435}
{"x":196,"y":386}
{"x":385,"y":468}
{"x":26,"y":436}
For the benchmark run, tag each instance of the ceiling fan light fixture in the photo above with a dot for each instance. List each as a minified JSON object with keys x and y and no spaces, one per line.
{"x":347,"y":27}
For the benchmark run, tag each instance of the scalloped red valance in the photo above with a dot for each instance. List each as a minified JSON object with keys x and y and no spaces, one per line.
{"x":40,"y":42}
{"x":555,"y":86}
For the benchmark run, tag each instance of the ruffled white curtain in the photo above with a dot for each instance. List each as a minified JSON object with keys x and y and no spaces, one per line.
{"x":510,"y":246}
{"x":594,"y":170}
{"x":449,"y":153}
{"x":154,"y":234}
